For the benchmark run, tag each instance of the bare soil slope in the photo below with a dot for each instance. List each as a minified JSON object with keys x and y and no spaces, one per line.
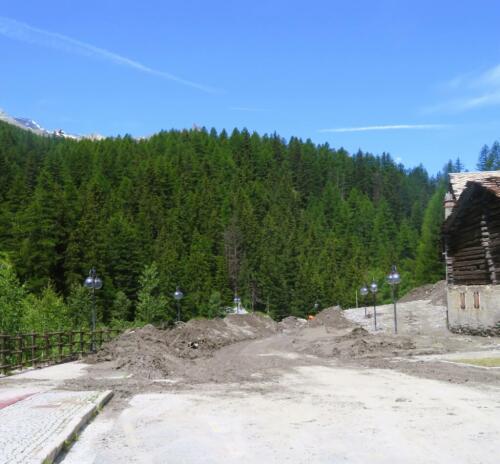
{"x":155,"y":353}
{"x":436,"y":293}
{"x":247,"y":349}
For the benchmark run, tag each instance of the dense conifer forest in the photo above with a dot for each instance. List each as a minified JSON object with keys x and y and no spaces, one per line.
{"x":285,"y":224}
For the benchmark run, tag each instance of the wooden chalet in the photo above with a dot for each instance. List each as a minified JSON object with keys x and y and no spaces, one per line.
{"x":471,"y":236}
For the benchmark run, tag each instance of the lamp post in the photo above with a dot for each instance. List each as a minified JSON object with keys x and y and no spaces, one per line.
{"x":316,"y":306}
{"x":374,"y":290}
{"x":237,"y":302}
{"x":93,"y":283}
{"x":364,"y":291}
{"x":178,"y":296}
{"x":394,"y":279}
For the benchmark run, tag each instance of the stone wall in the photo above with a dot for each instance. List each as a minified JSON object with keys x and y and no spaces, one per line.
{"x":474,"y":309}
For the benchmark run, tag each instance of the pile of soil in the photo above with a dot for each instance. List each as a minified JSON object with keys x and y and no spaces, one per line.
{"x":436,"y":293}
{"x":331,"y":318}
{"x":359,"y":343}
{"x":153,"y":353}
{"x":291,"y":323}
{"x":201,"y":337}
{"x":143,"y":351}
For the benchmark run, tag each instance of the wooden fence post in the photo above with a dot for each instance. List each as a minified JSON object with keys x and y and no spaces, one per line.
{"x":20,"y":351}
{"x":33,"y":349}
{"x":4,"y":353}
{"x":38,"y":349}
{"x":60,"y":346}
{"x":70,"y":344}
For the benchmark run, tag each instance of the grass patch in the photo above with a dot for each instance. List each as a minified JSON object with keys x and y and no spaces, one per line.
{"x":483,"y":362}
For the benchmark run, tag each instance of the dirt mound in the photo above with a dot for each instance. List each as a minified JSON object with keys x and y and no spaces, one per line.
{"x":438,"y":294}
{"x":291,"y":323}
{"x":358,"y":343}
{"x":357,"y":332}
{"x":155,"y":353}
{"x":200,"y":337}
{"x":331,"y":318}
{"x":434,"y":292}
{"x":143,"y":351}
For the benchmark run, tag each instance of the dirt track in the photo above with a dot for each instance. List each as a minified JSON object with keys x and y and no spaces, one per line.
{"x":271,"y":397}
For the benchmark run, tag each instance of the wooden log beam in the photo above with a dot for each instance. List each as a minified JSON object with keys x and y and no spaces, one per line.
{"x":487,"y":251}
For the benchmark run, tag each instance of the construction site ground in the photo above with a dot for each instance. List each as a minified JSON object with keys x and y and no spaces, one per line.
{"x":249,"y":390}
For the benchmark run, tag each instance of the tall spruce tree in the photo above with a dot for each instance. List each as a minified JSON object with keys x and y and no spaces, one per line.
{"x":428,"y":264}
{"x":287,"y":223}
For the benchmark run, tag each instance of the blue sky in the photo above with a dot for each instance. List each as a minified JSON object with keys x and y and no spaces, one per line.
{"x":417,"y":79}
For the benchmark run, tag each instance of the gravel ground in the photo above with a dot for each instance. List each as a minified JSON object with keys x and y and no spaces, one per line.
{"x":314,"y":414}
{"x":329,"y":391}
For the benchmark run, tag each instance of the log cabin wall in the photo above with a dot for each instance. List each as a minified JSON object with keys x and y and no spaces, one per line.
{"x":472,"y":243}
{"x":471,"y":235}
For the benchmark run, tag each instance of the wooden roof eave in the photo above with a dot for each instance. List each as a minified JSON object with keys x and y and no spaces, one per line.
{"x":452,"y":221}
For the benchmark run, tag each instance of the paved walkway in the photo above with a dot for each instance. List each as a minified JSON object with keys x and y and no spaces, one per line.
{"x":34,"y":429}
{"x":37,"y":417}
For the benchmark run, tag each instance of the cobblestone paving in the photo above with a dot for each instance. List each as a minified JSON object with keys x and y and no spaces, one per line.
{"x":34,"y":425}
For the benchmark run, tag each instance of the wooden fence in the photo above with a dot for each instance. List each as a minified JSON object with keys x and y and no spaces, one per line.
{"x":20,"y":351}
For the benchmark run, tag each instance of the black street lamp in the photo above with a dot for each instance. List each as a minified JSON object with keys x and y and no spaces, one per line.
{"x":394,"y":279}
{"x":92,"y":282}
{"x":178,"y":296}
{"x":364,"y":291}
{"x":374,"y":290}
{"x":316,"y":306}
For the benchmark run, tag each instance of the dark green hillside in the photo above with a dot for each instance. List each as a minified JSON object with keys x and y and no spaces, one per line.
{"x":286,"y":223}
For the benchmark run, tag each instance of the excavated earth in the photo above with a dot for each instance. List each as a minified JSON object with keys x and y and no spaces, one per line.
{"x":435,"y":293}
{"x":252,"y":348}
{"x":248,"y":389}
{"x":153,"y":353}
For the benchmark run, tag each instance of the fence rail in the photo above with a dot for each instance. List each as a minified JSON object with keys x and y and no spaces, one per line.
{"x":20,"y":351}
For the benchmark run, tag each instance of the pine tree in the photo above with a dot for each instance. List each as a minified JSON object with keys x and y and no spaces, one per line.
{"x":309,"y":222}
{"x":489,"y":158}
{"x":151,"y":305}
{"x":42,"y":247}
{"x":121,"y":308}
{"x":428,"y":265}
{"x":47,"y":313}
{"x":12,"y":296}
{"x":80,"y":305}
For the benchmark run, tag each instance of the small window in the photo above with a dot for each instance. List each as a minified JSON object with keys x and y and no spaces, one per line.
{"x":462,"y":300}
{"x":476,"y":300}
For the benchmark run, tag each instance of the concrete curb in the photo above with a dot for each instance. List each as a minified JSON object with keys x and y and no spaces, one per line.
{"x":52,"y":450}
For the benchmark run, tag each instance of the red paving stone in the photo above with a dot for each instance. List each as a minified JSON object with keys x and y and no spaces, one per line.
{"x":14,"y":399}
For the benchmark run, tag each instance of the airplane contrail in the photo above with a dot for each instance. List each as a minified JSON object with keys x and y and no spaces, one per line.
{"x":25,"y":33}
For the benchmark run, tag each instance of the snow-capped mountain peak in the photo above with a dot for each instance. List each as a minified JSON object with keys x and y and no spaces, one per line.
{"x":30,"y":124}
{"x":33,"y":126}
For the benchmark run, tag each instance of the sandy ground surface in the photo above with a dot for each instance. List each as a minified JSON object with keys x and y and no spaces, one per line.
{"x":315,"y":414}
{"x":329,"y":391}
{"x":424,"y":322}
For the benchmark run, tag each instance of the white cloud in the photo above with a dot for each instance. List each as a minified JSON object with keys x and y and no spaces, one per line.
{"x":487,"y":99}
{"x":491,"y":77}
{"x":385,"y":127}
{"x":474,"y":90}
{"x":25,"y":33}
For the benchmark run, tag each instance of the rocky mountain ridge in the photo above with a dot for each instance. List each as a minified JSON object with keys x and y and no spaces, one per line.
{"x":33,"y":126}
